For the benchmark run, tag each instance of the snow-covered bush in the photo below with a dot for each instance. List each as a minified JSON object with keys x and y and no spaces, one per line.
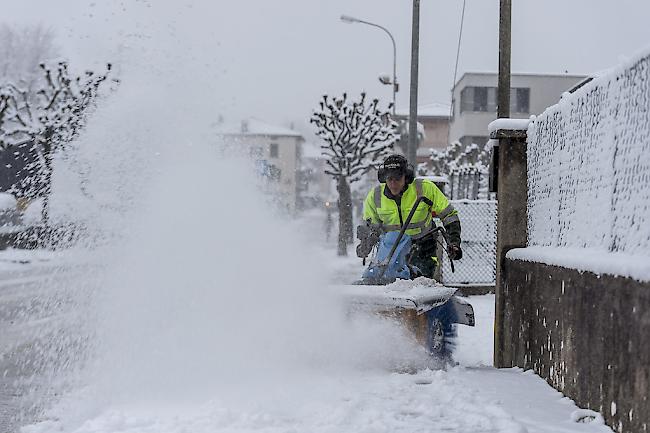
{"x":466,"y":167}
{"x":589,"y":166}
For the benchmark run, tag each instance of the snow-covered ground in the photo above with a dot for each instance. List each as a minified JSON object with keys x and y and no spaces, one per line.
{"x":369,"y":392}
{"x":206,"y":310}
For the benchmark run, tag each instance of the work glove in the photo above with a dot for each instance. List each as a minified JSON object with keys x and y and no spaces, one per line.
{"x":454,"y":251}
{"x":369,"y":236}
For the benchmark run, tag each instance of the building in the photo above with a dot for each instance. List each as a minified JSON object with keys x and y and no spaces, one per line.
{"x":474,"y":100}
{"x":275,"y":151}
{"x":434,"y":119}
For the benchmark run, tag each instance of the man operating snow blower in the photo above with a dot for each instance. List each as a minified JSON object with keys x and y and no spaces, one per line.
{"x":388,"y":204}
{"x":399,"y":281}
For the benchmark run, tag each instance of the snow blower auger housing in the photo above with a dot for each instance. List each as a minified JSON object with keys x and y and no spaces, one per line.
{"x":391,"y":286}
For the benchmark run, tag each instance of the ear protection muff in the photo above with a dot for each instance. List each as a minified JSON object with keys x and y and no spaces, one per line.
{"x":381,"y":175}
{"x":410,"y":174}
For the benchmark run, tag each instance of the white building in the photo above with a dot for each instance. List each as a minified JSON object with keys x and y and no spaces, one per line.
{"x":474,"y":99}
{"x":275,"y":151}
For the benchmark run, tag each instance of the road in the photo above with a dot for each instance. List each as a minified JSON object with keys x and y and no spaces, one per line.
{"x":36,"y":307}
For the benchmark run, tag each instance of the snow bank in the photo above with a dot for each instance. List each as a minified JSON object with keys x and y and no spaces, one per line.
{"x":589,"y":168}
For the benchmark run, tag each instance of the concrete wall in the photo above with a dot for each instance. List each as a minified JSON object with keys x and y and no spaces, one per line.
{"x":588,"y":335}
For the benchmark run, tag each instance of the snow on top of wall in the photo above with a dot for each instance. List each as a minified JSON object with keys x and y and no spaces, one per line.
{"x":598,"y":262}
{"x":589,"y":167}
{"x":434,"y":109}
{"x":509,"y":124}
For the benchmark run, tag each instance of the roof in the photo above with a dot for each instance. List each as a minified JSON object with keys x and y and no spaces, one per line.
{"x":434,"y":109}
{"x":253,"y":126}
{"x":521,"y":74}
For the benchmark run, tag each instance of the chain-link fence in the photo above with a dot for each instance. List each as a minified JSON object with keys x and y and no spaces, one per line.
{"x":478,"y":265}
{"x":589,"y":166}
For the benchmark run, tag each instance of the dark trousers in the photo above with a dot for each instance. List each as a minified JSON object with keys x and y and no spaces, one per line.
{"x":423,"y":255}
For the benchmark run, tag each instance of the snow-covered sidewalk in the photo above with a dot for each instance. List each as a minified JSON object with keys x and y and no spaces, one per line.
{"x":463,"y":399}
{"x":345,"y":397}
{"x":471,"y":397}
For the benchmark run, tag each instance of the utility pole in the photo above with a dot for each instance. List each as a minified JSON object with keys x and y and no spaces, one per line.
{"x":503,"y":98}
{"x":507,"y":170}
{"x":413,"y":106}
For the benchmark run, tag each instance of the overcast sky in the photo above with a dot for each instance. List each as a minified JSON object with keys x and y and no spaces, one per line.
{"x":274,"y":58}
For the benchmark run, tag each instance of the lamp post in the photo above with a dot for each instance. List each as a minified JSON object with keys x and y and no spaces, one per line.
{"x":352,"y":20}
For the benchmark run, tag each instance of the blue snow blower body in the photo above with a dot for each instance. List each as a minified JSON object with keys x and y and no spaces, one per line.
{"x":382,"y":270}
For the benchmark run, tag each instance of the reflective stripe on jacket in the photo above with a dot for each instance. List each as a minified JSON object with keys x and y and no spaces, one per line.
{"x":380,"y":209}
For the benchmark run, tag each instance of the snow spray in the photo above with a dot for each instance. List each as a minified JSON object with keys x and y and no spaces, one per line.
{"x":201,"y":290}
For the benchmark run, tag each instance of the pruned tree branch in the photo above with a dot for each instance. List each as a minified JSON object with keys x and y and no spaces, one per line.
{"x":357,"y":134}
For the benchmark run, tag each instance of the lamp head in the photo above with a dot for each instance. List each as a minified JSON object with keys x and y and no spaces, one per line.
{"x":348,"y":19}
{"x":385,"y":79}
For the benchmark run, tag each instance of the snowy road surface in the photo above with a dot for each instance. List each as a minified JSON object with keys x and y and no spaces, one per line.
{"x":471,"y":397}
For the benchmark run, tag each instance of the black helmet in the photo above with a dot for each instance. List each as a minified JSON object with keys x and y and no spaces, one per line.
{"x":395,"y":165}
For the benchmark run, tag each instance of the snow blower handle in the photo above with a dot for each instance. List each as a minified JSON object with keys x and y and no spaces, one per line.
{"x":445,"y":236}
{"x":403,"y":229}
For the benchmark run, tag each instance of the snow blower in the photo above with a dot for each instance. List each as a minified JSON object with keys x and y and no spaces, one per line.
{"x":390,"y":286}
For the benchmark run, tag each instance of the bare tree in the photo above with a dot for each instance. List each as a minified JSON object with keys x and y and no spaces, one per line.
{"x":358,"y":135}
{"x":44,"y":119}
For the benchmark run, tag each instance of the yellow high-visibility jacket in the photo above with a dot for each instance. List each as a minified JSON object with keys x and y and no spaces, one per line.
{"x":380,"y":209}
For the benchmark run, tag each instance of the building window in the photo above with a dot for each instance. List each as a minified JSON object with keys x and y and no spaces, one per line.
{"x":492,"y":100}
{"x":484,"y":99}
{"x":273,"y":150}
{"x":255,"y":151}
{"x":520,"y":100}
{"x":476,"y":99}
{"x":275,"y":173}
{"x":480,"y":99}
{"x":467,"y":99}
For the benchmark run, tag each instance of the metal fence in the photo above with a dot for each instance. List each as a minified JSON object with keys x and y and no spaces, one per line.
{"x":468,"y":186}
{"x":478,"y":265}
{"x":465,"y":185}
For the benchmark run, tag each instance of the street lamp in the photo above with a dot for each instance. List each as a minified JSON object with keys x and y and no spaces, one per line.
{"x":351,"y":20}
